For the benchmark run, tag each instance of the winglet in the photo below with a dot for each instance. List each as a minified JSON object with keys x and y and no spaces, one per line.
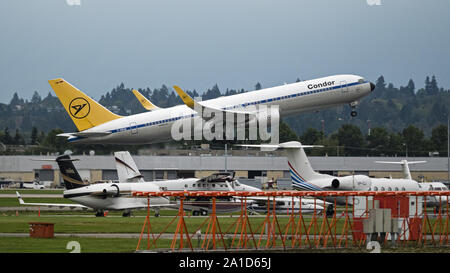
{"x":20,"y":198}
{"x":144,"y":101}
{"x":185,"y":97}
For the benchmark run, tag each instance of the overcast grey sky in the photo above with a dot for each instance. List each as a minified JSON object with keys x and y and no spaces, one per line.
{"x":234,"y":43}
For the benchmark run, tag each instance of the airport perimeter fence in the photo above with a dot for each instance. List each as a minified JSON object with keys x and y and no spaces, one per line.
{"x":339,"y":219}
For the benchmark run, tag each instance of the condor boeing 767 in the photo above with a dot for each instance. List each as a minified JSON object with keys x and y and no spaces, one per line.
{"x":96,"y":124}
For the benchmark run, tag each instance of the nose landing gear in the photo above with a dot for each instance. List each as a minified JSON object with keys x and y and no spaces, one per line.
{"x":353,"y":104}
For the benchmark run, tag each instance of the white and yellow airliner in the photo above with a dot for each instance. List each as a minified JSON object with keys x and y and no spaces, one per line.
{"x":96,"y":124}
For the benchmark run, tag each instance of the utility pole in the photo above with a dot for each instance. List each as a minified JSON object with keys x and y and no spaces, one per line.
{"x":226,"y":167}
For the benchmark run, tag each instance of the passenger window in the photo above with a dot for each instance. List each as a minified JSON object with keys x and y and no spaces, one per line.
{"x":382,"y":188}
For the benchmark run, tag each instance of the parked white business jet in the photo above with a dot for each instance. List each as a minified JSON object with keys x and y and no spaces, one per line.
{"x":96,"y":124}
{"x":128,"y":171}
{"x":305,"y":178}
{"x":101,"y":196}
{"x":441,"y":202}
{"x":431,"y":201}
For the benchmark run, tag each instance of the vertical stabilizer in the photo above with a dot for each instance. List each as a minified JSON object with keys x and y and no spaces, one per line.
{"x":299,"y":166}
{"x":127,"y":170}
{"x":82,"y":109}
{"x":69,"y":173}
{"x":298,"y":161}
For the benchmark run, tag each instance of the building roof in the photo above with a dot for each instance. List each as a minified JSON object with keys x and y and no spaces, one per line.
{"x":237,"y":163}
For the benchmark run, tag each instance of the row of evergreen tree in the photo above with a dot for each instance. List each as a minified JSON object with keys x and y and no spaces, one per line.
{"x":389,"y":107}
{"x":348,"y":140}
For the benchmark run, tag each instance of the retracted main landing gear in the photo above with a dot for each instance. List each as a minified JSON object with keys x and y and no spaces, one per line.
{"x":353,"y":104}
{"x":200,"y":212}
{"x":126,"y":213}
{"x":99,"y":213}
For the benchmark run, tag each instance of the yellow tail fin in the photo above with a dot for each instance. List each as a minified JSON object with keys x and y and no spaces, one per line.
{"x":184,"y":97}
{"x":83,"y":110}
{"x":144,"y":101}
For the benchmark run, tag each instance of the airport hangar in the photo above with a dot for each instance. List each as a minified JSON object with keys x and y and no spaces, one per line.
{"x":252,"y":170}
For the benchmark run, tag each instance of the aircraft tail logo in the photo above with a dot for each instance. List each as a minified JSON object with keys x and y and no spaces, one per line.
{"x":79,"y":108}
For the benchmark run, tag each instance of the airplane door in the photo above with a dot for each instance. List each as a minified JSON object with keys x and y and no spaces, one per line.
{"x":133,"y":128}
{"x":344,"y":86}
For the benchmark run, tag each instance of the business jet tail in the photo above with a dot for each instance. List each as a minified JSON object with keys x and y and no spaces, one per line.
{"x":405,"y":166}
{"x":127,"y":170}
{"x":69,"y":173}
{"x":299,"y":165}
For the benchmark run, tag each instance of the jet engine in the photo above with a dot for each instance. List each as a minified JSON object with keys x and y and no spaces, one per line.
{"x":111,"y":191}
{"x":351,"y":182}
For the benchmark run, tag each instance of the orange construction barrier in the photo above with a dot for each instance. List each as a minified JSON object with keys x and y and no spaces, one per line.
{"x":344,"y":227}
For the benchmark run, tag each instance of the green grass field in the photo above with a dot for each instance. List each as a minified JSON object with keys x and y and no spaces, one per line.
{"x":14,"y":202}
{"x":79,"y":222}
{"x":59,"y":244}
{"x":31,"y":191}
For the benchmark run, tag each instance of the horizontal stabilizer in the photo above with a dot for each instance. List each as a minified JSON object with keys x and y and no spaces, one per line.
{"x":405,"y":166}
{"x":54,"y":160}
{"x":285,"y":145}
{"x":84,"y":134}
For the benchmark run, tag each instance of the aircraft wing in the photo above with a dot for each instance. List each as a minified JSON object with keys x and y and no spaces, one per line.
{"x":148,"y":105}
{"x":400,"y":162}
{"x":122,"y":207}
{"x":195,"y":105}
{"x":50,"y":204}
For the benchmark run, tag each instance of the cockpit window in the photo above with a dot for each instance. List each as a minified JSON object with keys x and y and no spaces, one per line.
{"x":361,"y":80}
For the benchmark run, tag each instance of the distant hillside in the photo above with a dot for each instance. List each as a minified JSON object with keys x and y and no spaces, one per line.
{"x":388,"y":106}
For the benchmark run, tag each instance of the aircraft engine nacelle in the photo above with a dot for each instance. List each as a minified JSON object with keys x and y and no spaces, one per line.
{"x":111,"y":191}
{"x":351,"y":182}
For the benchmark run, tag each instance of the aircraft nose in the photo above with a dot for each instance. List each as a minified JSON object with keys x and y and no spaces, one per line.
{"x":372,"y":86}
